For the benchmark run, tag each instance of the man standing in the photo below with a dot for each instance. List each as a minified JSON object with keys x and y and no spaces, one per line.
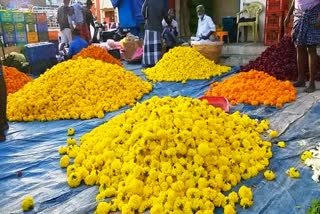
{"x":206,"y":27}
{"x":88,"y":15}
{"x":153,"y":11}
{"x":63,"y":21}
{"x":306,"y":37}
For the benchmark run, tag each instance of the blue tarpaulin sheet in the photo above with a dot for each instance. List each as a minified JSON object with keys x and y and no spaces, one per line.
{"x":32,"y":148}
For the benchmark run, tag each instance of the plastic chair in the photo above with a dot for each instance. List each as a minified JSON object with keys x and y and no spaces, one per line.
{"x":253,"y":11}
{"x":221,"y":34}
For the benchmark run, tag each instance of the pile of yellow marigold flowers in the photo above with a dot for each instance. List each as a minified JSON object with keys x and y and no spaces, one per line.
{"x":170,"y":155}
{"x":76,"y":89}
{"x":184,"y":63}
{"x":96,"y":52}
{"x":254,"y":88}
{"x":14,"y":79}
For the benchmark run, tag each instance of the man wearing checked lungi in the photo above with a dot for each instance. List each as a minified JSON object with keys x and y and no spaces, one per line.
{"x":153,"y":12}
{"x":306,"y":36}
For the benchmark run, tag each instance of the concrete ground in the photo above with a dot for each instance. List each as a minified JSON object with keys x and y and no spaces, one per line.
{"x":236,"y":54}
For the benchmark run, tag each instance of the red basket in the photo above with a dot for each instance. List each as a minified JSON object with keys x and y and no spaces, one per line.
{"x":274,"y":19}
{"x":217,"y":101}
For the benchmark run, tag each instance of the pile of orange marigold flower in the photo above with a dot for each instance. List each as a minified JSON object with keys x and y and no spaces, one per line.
{"x":14,"y":79}
{"x":254,"y":88}
{"x":96,"y":52}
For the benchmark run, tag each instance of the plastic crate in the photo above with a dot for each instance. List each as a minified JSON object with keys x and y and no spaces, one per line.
{"x":18,"y":17}
{"x":9,"y":37}
{"x":47,"y":50}
{"x":43,"y":36}
{"x":41,"y":18}
{"x":276,"y":5}
{"x":32,"y":37}
{"x":53,"y":35}
{"x":6,"y":16}
{"x":272,"y":36}
{"x":274,"y":19}
{"x":8,"y":27}
{"x":21,"y":37}
{"x":20,"y":27}
{"x":30,"y":18}
{"x":30,"y":27}
{"x":42,"y":27}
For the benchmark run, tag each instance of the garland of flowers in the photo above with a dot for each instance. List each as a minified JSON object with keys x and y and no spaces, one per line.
{"x":184,"y":63}
{"x":254,"y":88}
{"x":170,"y":154}
{"x":76,"y":89}
{"x":96,"y":52}
{"x":14,"y":79}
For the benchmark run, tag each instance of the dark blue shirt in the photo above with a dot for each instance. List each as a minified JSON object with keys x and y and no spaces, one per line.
{"x":77,"y":45}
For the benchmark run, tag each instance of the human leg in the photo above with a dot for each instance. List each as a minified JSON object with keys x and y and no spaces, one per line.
{"x":3,"y":107}
{"x":312,"y":62}
{"x":302,"y":59}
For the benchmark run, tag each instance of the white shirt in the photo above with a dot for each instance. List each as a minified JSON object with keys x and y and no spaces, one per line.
{"x":205,"y":25}
{"x":174,"y":24}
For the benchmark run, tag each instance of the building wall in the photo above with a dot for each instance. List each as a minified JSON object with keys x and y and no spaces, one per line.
{"x":22,"y":3}
{"x":224,"y":8}
{"x":261,"y":18}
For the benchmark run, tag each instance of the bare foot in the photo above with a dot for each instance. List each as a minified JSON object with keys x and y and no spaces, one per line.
{"x":311,"y":88}
{"x":299,"y":83}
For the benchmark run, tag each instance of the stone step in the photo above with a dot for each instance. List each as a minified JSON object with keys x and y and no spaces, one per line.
{"x":236,"y":59}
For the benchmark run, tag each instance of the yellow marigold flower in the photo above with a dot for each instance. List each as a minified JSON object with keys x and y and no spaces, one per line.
{"x":156,"y":209}
{"x":269,"y":175}
{"x":103,"y":208}
{"x":293,"y":172}
{"x":245,"y":192}
{"x":305,"y":155}
{"x":135,"y":202}
{"x":82,"y":88}
{"x":203,"y":149}
{"x":70,"y":131}
{"x":160,"y":151}
{"x":190,"y":65}
{"x":282,"y":144}
{"x":62,"y":150}
{"x":64,"y":161}
{"x":273,"y":134}
{"x":71,"y":141}
{"x":229,"y":209}
{"x":74,"y":179}
{"x":246,"y":202}
{"x":233,"y":197}
{"x":27,"y":203}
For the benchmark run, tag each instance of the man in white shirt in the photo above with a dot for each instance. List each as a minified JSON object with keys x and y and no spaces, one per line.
{"x":206,"y":27}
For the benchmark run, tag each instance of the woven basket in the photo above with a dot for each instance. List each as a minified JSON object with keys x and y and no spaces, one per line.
{"x":130,"y":47}
{"x":210,"y":51}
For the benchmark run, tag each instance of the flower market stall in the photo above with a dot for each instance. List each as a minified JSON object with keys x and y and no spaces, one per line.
{"x":76,"y":165}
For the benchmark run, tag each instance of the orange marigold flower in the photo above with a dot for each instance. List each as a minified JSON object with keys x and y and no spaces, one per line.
{"x":97,"y":52}
{"x":254,"y":88}
{"x":14,"y":79}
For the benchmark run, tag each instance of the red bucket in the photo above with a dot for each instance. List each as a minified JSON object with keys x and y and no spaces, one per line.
{"x":217,"y":101}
